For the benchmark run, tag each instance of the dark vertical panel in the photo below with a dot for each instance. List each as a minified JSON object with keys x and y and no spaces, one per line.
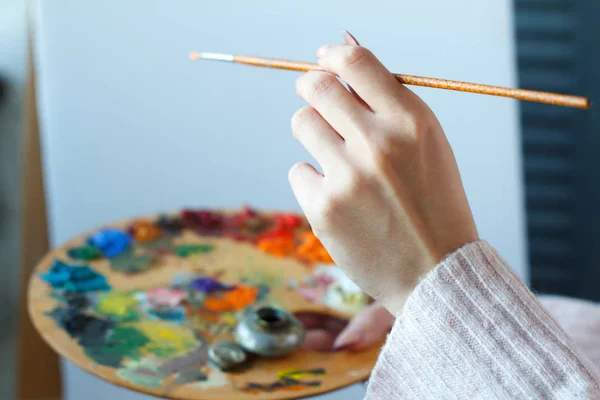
{"x":560,"y":145}
{"x":588,"y":151}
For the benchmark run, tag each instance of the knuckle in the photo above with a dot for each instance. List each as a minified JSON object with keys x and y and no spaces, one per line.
{"x":301,"y":118}
{"x":378,"y":153}
{"x":316,"y":84}
{"x":327,"y":208}
{"x":292,"y":173}
{"x":353,"y":184}
{"x":410,"y":124}
{"x":353,"y":57}
{"x":379,"y":158}
{"x":295,"y":172}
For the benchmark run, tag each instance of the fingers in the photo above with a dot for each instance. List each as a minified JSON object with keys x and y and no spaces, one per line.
{"x":305,"y":181}
{"x":366,"y":329}
{"x":317,"y":137}
{"x":349,"y":39}
{"x":321,"y":330}
{"x":318,"y":340}
{"x":329,"y":97}
{"x":359,"y":68}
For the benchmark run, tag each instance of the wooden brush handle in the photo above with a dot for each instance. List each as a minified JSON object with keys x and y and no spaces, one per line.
{"x":521,"y":94}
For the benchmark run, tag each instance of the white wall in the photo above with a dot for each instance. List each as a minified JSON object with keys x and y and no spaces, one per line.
{"x":131,"y":126}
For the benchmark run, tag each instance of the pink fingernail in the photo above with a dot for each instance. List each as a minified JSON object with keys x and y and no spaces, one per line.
{"x":350,"y":39}
{"x":322,"y":50}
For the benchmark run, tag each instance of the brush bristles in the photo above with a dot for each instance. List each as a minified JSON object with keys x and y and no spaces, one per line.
{"x":211,"y":56}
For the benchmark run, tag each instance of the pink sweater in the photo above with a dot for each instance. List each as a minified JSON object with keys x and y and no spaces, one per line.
{"x":472,"y":330}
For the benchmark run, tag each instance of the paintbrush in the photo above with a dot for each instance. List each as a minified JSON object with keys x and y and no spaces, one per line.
{"x":520,"y":94}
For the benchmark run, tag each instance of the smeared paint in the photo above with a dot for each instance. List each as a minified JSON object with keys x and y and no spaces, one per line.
{"x":329,"y":285}
{"x":182,"y":280}
{"x":74,"y":278}
{"x":166,"y":339}
{"x":209,"y":285}
{"x":190,"y":376}
{"x":82,"y":327}
{"x":121,"y":342}
{"x":176,"y":315}
{"x":288,"y":380}
{"x":298,"y":374}
{"x":111,"y":242}
{"x":195,"y":358}
{"x":172,"y":225}
{"x":144,"y":231}
{"x":144,"y":372}
{"x":131,"y":263}
{"x":287,"y":221}
{"x":166,"y":297}
{"x":85,"y":252}
{"x":119,"y":306}
{"x":234,"y":300}
{"x":215,"y":379}
{"x":159,"y":333}
{"x":203,"y":221}
{"x":186,"y":250}
{"x":160,"y":246}
{"x":311,"y":249}
{"x":277,"y":246}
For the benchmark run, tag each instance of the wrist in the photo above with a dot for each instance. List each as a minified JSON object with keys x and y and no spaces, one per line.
{"x":394,"y":304}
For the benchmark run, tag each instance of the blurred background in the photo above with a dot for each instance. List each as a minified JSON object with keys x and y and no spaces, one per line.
{"x":105,"y":118}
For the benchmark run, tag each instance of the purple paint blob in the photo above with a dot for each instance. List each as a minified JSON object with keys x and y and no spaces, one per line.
{"x":209,"y":285}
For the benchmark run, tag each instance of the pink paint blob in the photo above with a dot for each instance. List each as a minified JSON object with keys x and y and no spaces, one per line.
{"x":162,"y":296}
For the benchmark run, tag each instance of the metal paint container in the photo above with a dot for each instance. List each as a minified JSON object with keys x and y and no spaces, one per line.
{"x":269,"y":331}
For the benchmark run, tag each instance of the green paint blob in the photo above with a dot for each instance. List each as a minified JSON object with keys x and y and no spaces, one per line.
{"x":122,"y":342}
{"x":118,"y":306}
{"x":85,"y":252}
{"x":186,"y":250}
{"x":130,"y":263}
{"x":162,"y":244}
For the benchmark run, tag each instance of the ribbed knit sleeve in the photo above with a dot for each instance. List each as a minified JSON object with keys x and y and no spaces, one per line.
{"x":473,"y":330}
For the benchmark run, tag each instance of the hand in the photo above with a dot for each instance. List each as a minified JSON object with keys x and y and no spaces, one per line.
{"x":390,"y":203}
{"x":367,"y":329}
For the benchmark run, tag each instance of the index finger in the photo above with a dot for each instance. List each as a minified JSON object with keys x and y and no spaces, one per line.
{"x":371,"y":80}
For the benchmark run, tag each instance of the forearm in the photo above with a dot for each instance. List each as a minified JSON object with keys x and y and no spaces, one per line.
{"x":472,"y":329}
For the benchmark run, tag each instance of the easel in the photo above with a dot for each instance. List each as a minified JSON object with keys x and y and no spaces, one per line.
{"x":38,"y":369}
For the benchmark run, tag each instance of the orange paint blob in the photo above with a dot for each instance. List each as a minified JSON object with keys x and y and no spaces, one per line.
{"x":233,"y":300}
{"x":311,"y":249}
{"x":277,"y":246}
{"x":144,"y":231}
{"x":194,"y":55}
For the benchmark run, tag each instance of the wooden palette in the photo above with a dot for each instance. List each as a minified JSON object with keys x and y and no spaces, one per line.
{"x":232,"y":261}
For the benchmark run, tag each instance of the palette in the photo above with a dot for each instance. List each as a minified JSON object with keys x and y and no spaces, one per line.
{"x":138,"y":303}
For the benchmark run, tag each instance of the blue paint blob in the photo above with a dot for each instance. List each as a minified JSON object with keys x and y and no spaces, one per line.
{"x":74,"y":278}
{"x":111,"y":242}
{"x":176,"y":315}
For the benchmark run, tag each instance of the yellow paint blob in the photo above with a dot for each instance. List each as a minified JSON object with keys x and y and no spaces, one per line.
{"x":296,"y":374}
{"x":117,"y":304}
{"x":166,"y":339}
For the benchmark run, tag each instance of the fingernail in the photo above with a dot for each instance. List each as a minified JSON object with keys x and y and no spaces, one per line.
{"x":346,"y":340}
{"x":322,"y":50}
{"x":350,"y":39}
